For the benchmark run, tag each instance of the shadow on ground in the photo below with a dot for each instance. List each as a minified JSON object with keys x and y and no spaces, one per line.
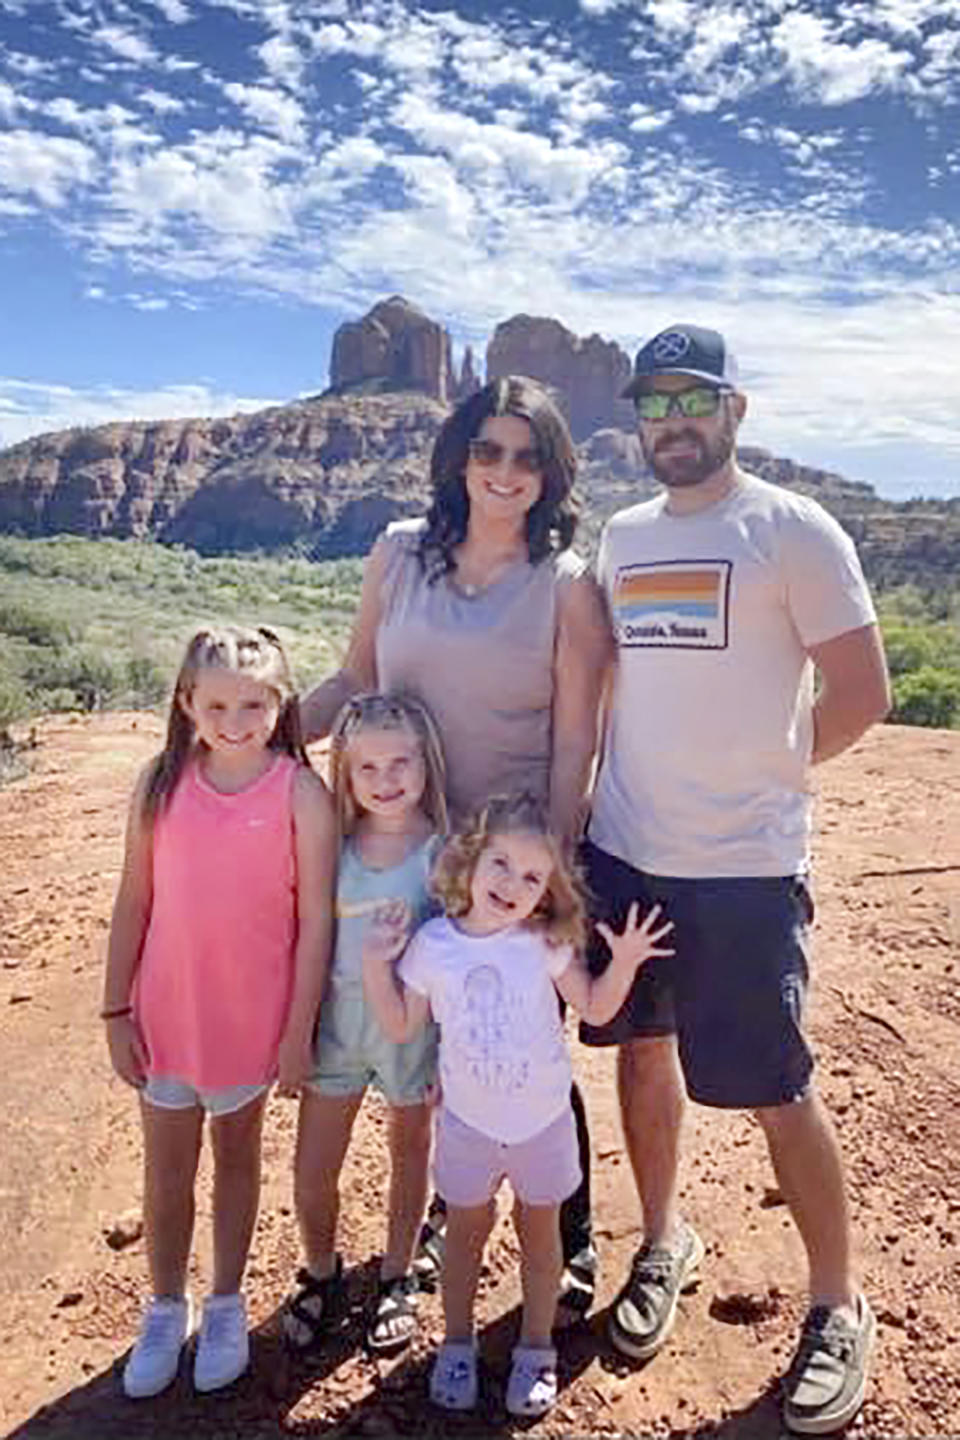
{"x":263,"y":1403}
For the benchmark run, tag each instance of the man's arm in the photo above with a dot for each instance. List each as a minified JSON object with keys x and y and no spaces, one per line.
{"x":582,"y":660}
{"x":854,"y":689}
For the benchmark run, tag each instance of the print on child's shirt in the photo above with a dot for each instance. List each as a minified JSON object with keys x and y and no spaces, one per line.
{"x":493,"y":1032}
{"x":677,"y":604}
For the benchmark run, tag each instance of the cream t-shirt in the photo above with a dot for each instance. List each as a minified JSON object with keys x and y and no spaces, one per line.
{"x":504,"y":1064}
{"x":705,"y":765}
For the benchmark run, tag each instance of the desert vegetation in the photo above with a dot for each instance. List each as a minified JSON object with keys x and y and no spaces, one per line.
{"x":89,"y":625}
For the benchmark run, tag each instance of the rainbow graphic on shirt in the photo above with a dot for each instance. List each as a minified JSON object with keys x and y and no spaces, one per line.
{"x":678,"y":604}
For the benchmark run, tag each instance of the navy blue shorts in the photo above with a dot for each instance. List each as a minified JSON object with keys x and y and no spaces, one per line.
{"x":734,"y":991}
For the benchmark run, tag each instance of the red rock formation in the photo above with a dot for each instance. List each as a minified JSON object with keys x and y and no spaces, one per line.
{"x":394,"y":347}
{"x":587,"y":375}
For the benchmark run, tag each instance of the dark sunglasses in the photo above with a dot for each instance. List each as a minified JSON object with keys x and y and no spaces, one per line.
{"x":488,"y":453}
{"x":697,"y":403}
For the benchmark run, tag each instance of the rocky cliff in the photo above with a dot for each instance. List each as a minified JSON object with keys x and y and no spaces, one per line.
{"x":396,"y":347}
{"x":587,"y":374}
{"x":326,"y":474}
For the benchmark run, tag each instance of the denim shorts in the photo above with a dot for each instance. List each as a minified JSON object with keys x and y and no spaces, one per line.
{"x":469,"y":1166}
{"x":352,"y":1052}
{"x":168,"y":1093}
{"x":734,"y":991}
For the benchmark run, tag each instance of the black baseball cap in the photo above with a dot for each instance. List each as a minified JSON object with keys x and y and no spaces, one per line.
{"x":683,"y":350}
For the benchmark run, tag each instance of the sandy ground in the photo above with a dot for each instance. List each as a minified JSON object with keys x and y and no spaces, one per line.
{"x":885,"y":1022}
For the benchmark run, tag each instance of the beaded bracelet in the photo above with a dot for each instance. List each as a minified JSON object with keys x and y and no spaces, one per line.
{"x":116,"y":1014}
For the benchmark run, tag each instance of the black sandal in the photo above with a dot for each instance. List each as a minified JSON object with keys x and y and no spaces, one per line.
{"x":578,"y":1285}
{"x":311,"y":1310}
{"x":428,"y":1260}
{"x":394,"y":1320}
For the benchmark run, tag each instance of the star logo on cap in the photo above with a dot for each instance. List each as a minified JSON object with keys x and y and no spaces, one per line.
{"x":672,"y":346}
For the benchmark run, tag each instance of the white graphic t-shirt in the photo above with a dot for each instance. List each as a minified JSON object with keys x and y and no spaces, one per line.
{"x":706,"y":757}
{"x":504,"y":1066}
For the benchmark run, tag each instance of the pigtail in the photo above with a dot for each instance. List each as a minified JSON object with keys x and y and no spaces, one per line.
{"x":257,"y":653}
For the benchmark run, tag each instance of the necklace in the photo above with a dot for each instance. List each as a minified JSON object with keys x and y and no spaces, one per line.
{"x":470,"y":589}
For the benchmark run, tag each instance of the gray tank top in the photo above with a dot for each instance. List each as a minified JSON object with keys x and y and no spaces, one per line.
{"x":483,"y":664}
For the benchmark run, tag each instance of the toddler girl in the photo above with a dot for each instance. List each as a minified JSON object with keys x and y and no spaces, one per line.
{"x":487,"y":973}
{"x":388,"y":783}
{"x":219,"y":938}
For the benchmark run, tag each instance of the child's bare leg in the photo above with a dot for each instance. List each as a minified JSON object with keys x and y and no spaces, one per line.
{"x":323,"y":1134}
{"x":410,"y":1127}
{"x":171,"y":1152}
{"x":467,"y":1230}
{"x":541,"y":1261}
{"x":236,"y":1191}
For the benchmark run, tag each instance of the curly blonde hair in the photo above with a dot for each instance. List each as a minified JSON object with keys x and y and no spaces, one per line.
{"x":560,"y":913}
{"x":376,"y":711}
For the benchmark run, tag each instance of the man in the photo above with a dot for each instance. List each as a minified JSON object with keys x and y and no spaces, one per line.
{"x":727,"y":594}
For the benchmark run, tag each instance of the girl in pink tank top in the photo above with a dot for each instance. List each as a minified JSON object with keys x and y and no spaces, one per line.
{"x":218,"y":949}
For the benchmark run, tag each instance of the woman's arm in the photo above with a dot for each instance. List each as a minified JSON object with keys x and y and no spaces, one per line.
{"x":319,"y":709}
{"x":598,"y":997}
{"x":400,"y":1011}
{"x":128,"y":928}
{"x":583,"y":656}
{"x":315,"y":843}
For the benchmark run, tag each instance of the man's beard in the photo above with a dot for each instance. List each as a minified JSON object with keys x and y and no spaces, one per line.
{"x":681,"y":471}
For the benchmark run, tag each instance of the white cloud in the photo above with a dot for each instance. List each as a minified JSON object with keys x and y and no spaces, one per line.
{"x":147,"y":302}
{"x":175,"y":12}
{"x":275,"y":111}
{"x":161,"y":103}
{"x":222,"y":181}
{"x":45,"y":166}
{"x":283,"y":60}
{"x":10,"y":102}
{"x":29,"y":408}
{"x":832,"y":72}
{"x":125,"y":44}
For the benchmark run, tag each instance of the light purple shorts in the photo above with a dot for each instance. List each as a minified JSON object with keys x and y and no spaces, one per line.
{"x":469,"y":1166}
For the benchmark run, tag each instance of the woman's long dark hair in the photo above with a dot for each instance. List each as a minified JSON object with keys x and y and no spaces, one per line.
{"x":552,"y":520}
{"x":257,"y":653}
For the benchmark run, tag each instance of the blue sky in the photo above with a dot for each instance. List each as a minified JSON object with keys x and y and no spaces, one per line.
{"x":195,"y":193}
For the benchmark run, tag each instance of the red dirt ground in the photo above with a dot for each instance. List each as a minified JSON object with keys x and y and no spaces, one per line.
{"x":885,"y":1021}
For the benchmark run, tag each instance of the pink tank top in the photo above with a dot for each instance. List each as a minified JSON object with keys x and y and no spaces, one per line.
{"x":216,"y":972}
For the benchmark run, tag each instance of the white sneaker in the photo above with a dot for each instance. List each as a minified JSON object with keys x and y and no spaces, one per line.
{"x":223,"y":1345}
{"x":532,"y":1387}
{"x":453,"y":1379}
{"x":155,"y":1358}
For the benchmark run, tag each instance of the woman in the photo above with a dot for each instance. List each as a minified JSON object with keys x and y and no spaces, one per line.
{"x":483,"y":611}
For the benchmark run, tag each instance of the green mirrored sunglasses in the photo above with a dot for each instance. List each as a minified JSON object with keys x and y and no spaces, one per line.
{"x":697,"y":403}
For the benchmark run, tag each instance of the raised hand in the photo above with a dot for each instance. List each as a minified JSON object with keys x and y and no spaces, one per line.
{"x":386,"y":935}
{"x":639,"y":940}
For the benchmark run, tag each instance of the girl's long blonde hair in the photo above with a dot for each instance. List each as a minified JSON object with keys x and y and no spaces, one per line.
{"x":560,"y":913}
{"x":257,"y":653}
{"x":394,"y":711}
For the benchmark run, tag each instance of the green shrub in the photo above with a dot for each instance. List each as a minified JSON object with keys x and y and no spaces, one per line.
{"x":91,"y":676}
{"x":928,"y":696}
{"x":14,"y":699}
{"x":148,"y":682}
{"x":911,"y":647}
{"x":38,"y":626}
